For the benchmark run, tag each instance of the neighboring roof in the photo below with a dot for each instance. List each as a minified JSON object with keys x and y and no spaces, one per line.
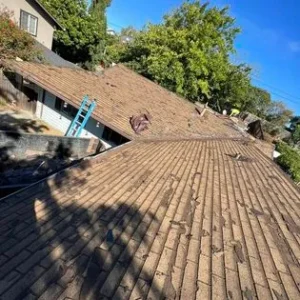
{"x":122,"y":93}
{"x":49,"y":15}
{"x":54,"y":59}
{"x":156,"y":220}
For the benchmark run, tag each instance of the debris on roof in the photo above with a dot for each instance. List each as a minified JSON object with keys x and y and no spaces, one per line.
{"x":155,"y":220}
{"x":122,"y":93}
{"x":140,"y":123}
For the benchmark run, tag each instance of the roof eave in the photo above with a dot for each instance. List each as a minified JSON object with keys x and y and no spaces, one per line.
{"x":28,"y":77}
{"x":50,"y":16}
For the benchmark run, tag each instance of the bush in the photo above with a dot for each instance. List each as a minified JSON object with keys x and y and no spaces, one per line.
{"x":15,"y":42}
{"x":289,"y":160}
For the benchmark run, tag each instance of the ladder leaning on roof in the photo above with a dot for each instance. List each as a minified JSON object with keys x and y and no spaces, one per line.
{"x":82,"y":116}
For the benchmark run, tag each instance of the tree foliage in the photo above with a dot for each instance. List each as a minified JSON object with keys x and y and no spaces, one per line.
{"x":257,"y":101}
{"x":289,"y":160}
{"x":188,"y":53}
{"x":295,"y":121}
{"x":81,"y":41}
{"x":278,"y":114}
{"x":15,"y":42}
{"x":296,"y":135}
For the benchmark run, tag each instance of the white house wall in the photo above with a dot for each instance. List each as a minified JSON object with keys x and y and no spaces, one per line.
{"x":44,"y":28}
{"x":62,"y":122}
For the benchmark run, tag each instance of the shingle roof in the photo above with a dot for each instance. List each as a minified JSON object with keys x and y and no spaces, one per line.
{"x":54,"y":59}
{"x":156,"y":220}
{"x":122,"y":93}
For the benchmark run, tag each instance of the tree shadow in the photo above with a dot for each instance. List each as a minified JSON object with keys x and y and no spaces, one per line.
{"x":9,"y":123}
{"x":57,"y":242}
{"x":20,"y":167}
{"x":11,"y":128}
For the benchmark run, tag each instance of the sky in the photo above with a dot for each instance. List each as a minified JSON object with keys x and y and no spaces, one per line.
{"x":269,"y":42}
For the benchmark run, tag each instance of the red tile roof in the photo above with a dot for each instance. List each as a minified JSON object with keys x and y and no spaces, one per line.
{"x":122,"y":93}
{"x":155,"y":220}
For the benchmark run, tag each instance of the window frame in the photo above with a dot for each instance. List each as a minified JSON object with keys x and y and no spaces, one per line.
{"x":69,"y":111}
{"x":29,"y":16}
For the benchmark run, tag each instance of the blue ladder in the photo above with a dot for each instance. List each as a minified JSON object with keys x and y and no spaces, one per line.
{"x":83,"y":115}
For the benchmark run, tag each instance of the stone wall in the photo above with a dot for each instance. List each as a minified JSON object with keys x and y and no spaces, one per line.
{"x":17,"y":146}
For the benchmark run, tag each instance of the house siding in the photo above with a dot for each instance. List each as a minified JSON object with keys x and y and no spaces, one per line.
{"x":45,"y":27}
{"x":62,"y":122}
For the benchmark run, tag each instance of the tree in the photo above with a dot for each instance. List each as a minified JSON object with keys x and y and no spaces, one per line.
{"x":15,"y":42}
{"x":289,"y":160}
{"x":257,"y":101}
{"x":116,"y":45}
{"x":98,"y":12}
{"x":295,"y":121}
{"x":296,"y":135}
{"x":84,"y":30}
{"x":234,"y":90}
{"x":278,"y":114}
{"x":188,"y":53}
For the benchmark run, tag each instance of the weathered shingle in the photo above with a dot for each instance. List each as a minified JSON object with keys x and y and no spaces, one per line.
{"x":121,"y":94}
{"x":154,"y":220}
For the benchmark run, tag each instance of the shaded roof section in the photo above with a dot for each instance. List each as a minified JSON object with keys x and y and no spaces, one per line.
{"x":192,"y":222}
{"x":122,"y":93}
{"x":54,"y":59}
{"x":49,"y":15}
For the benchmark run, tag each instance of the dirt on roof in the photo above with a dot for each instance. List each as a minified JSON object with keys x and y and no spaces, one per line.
{"x":122,"y":94}
{"x":156,"y":220}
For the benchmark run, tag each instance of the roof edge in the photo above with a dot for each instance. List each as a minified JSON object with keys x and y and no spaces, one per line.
{"x":27,"y":76}
{"x":50,"y":16}
{"x":82,"y":160}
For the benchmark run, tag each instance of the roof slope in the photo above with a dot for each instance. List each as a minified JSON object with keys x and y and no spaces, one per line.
{"x":156,"y":220}
{"x":54,"y":59}
{"x":122,"y":93}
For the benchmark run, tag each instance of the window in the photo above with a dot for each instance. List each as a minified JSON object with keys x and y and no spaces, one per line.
{"x":111,"y":136}
{"x":28,"y":22}
{"x":58,"y":104}
{"x":65,"y":108}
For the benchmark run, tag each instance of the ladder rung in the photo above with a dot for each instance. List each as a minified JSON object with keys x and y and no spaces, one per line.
{"x":82,"y":116}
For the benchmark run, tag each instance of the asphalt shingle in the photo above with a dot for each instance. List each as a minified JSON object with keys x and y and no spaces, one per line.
{"x":158,"y":219}
{"x":121,"y":94}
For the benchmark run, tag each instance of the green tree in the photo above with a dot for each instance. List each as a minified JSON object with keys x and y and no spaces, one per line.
{"x":98,"y":12}
{"x":296,"y":135}
{"x":295,"y":121}
{"x":84,"y":29}
{"x":15,"y":42}
{"x":289,"y":160}
{"x":188,"y":53}
{"x":278,"y":114}
{"x":234,"y":90}
{"x":257,"y":101}
{"x":116,"y":45}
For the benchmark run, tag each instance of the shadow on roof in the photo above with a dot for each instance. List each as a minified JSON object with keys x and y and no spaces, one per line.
{"x":64,"y":251}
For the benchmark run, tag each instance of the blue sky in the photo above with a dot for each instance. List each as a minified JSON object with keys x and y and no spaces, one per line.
{"x":269,"y":42}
